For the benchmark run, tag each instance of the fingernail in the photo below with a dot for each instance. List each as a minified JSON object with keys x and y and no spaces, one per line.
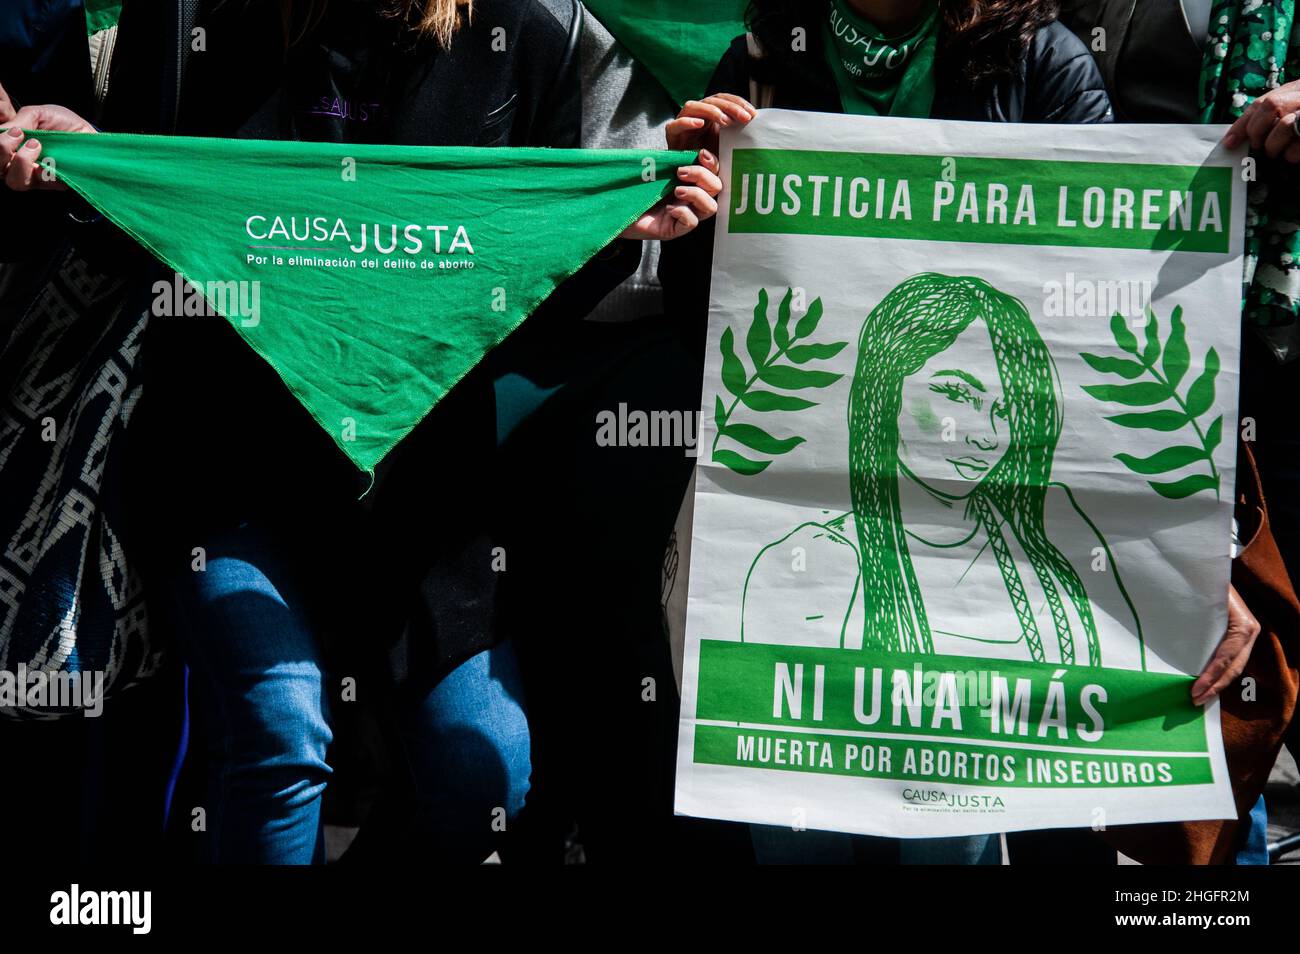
{"x":680,"y":191}
{"x":706,"y":155}
{"x":32,"y":144}
{"x":15,"y":131}
{"x":681,"y":173}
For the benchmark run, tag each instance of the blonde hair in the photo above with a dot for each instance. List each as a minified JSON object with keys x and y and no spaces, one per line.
{"x":433,"y":18}
{"x":438,"y":18}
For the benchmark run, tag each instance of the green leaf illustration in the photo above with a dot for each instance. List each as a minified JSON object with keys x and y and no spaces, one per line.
{"x":1152,"y":349}
{"x":1161,"y":462}
{"x":759,"y":340}
{"x":808,"y":323}
{"x":760,"y":440}
{"x":767,"y":401}
{"x":782,"y":316}
{"x":1214,"y":434}
{"x":1126,"y":340}
{"x":1142,"y":394}
{"x":1177,"y":356}
{"x":802,"y":354}
{"x":776,"y":368}
{"x":1187,"y":486}
{"x":795,"y":379}
{"x":1165,"y":367}
{"x":1201,"y":394}
{"x":741,"y":465}
{"x":733,"y":372}
{"x":1121,"y":366}
{"x":1152,"y":421}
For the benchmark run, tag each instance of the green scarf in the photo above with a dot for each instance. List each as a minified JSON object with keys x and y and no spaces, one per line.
{"x":102,"y":14}
{"x":1253,"y":47}
{"x":679,"y":41}
{"x":372,"y":278}
{"x":879,"y":75}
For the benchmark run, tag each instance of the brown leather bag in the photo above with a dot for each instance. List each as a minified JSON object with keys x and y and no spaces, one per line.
{"x":1253,"y":730}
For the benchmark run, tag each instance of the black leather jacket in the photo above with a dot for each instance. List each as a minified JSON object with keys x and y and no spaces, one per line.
{"x":1151,"y":63}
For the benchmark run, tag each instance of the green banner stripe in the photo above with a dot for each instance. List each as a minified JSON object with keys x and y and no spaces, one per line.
{"x":958,"y":697}
{"x":972,"y":199}
{"x":950,"y":763}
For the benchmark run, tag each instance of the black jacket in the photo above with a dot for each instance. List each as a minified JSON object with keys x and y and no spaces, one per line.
{"x":1055,"y":81}
{"x":219,"y":441}
{"x":44,"y":58}
{"x":1151,"y":63}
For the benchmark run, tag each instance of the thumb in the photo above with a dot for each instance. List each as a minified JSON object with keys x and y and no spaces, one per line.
{"x":7,"y":111}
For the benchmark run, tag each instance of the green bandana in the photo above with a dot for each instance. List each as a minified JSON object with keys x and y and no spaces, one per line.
{"x":102,"y":14}
{"x":679,"y":41}
{"x":372,"y":278}
{"x":1253,"y":47}
{"x":879,"y":75}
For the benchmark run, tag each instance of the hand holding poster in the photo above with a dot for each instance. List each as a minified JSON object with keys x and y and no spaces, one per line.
{"x":964,"y":501}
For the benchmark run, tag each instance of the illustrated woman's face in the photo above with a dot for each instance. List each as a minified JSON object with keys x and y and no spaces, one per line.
{"x":952,"y":426}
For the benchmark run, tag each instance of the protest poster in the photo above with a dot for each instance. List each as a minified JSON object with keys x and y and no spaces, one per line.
{"x":963,"y":513}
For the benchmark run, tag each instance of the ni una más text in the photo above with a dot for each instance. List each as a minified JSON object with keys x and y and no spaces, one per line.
{"x":937,"y":701}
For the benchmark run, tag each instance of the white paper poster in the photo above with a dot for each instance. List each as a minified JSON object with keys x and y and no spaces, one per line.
{"x":964,"y":499}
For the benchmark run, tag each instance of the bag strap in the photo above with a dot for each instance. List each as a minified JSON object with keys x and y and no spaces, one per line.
{"x":575,"y":30}
{"x":181,"y":17}
{"x":761,"y":95}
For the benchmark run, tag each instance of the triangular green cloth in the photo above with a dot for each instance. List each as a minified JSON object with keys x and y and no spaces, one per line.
{"x":102,"y":14}
{"x":679,"y":41}
{"x":372,"y":278}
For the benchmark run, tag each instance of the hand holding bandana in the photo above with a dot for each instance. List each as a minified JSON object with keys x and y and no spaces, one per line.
{"x":372,"y":278}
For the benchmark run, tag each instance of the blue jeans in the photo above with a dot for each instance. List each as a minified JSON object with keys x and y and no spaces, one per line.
{"x":260,"y":696}
{"x":1254,"y":844}
{"x":783,"y":846}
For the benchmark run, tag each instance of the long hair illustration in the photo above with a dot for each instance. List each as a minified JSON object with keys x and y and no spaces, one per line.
{"x":915,"y":321}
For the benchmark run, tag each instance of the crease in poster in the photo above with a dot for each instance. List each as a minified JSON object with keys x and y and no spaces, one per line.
{"x":963,"y":510}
